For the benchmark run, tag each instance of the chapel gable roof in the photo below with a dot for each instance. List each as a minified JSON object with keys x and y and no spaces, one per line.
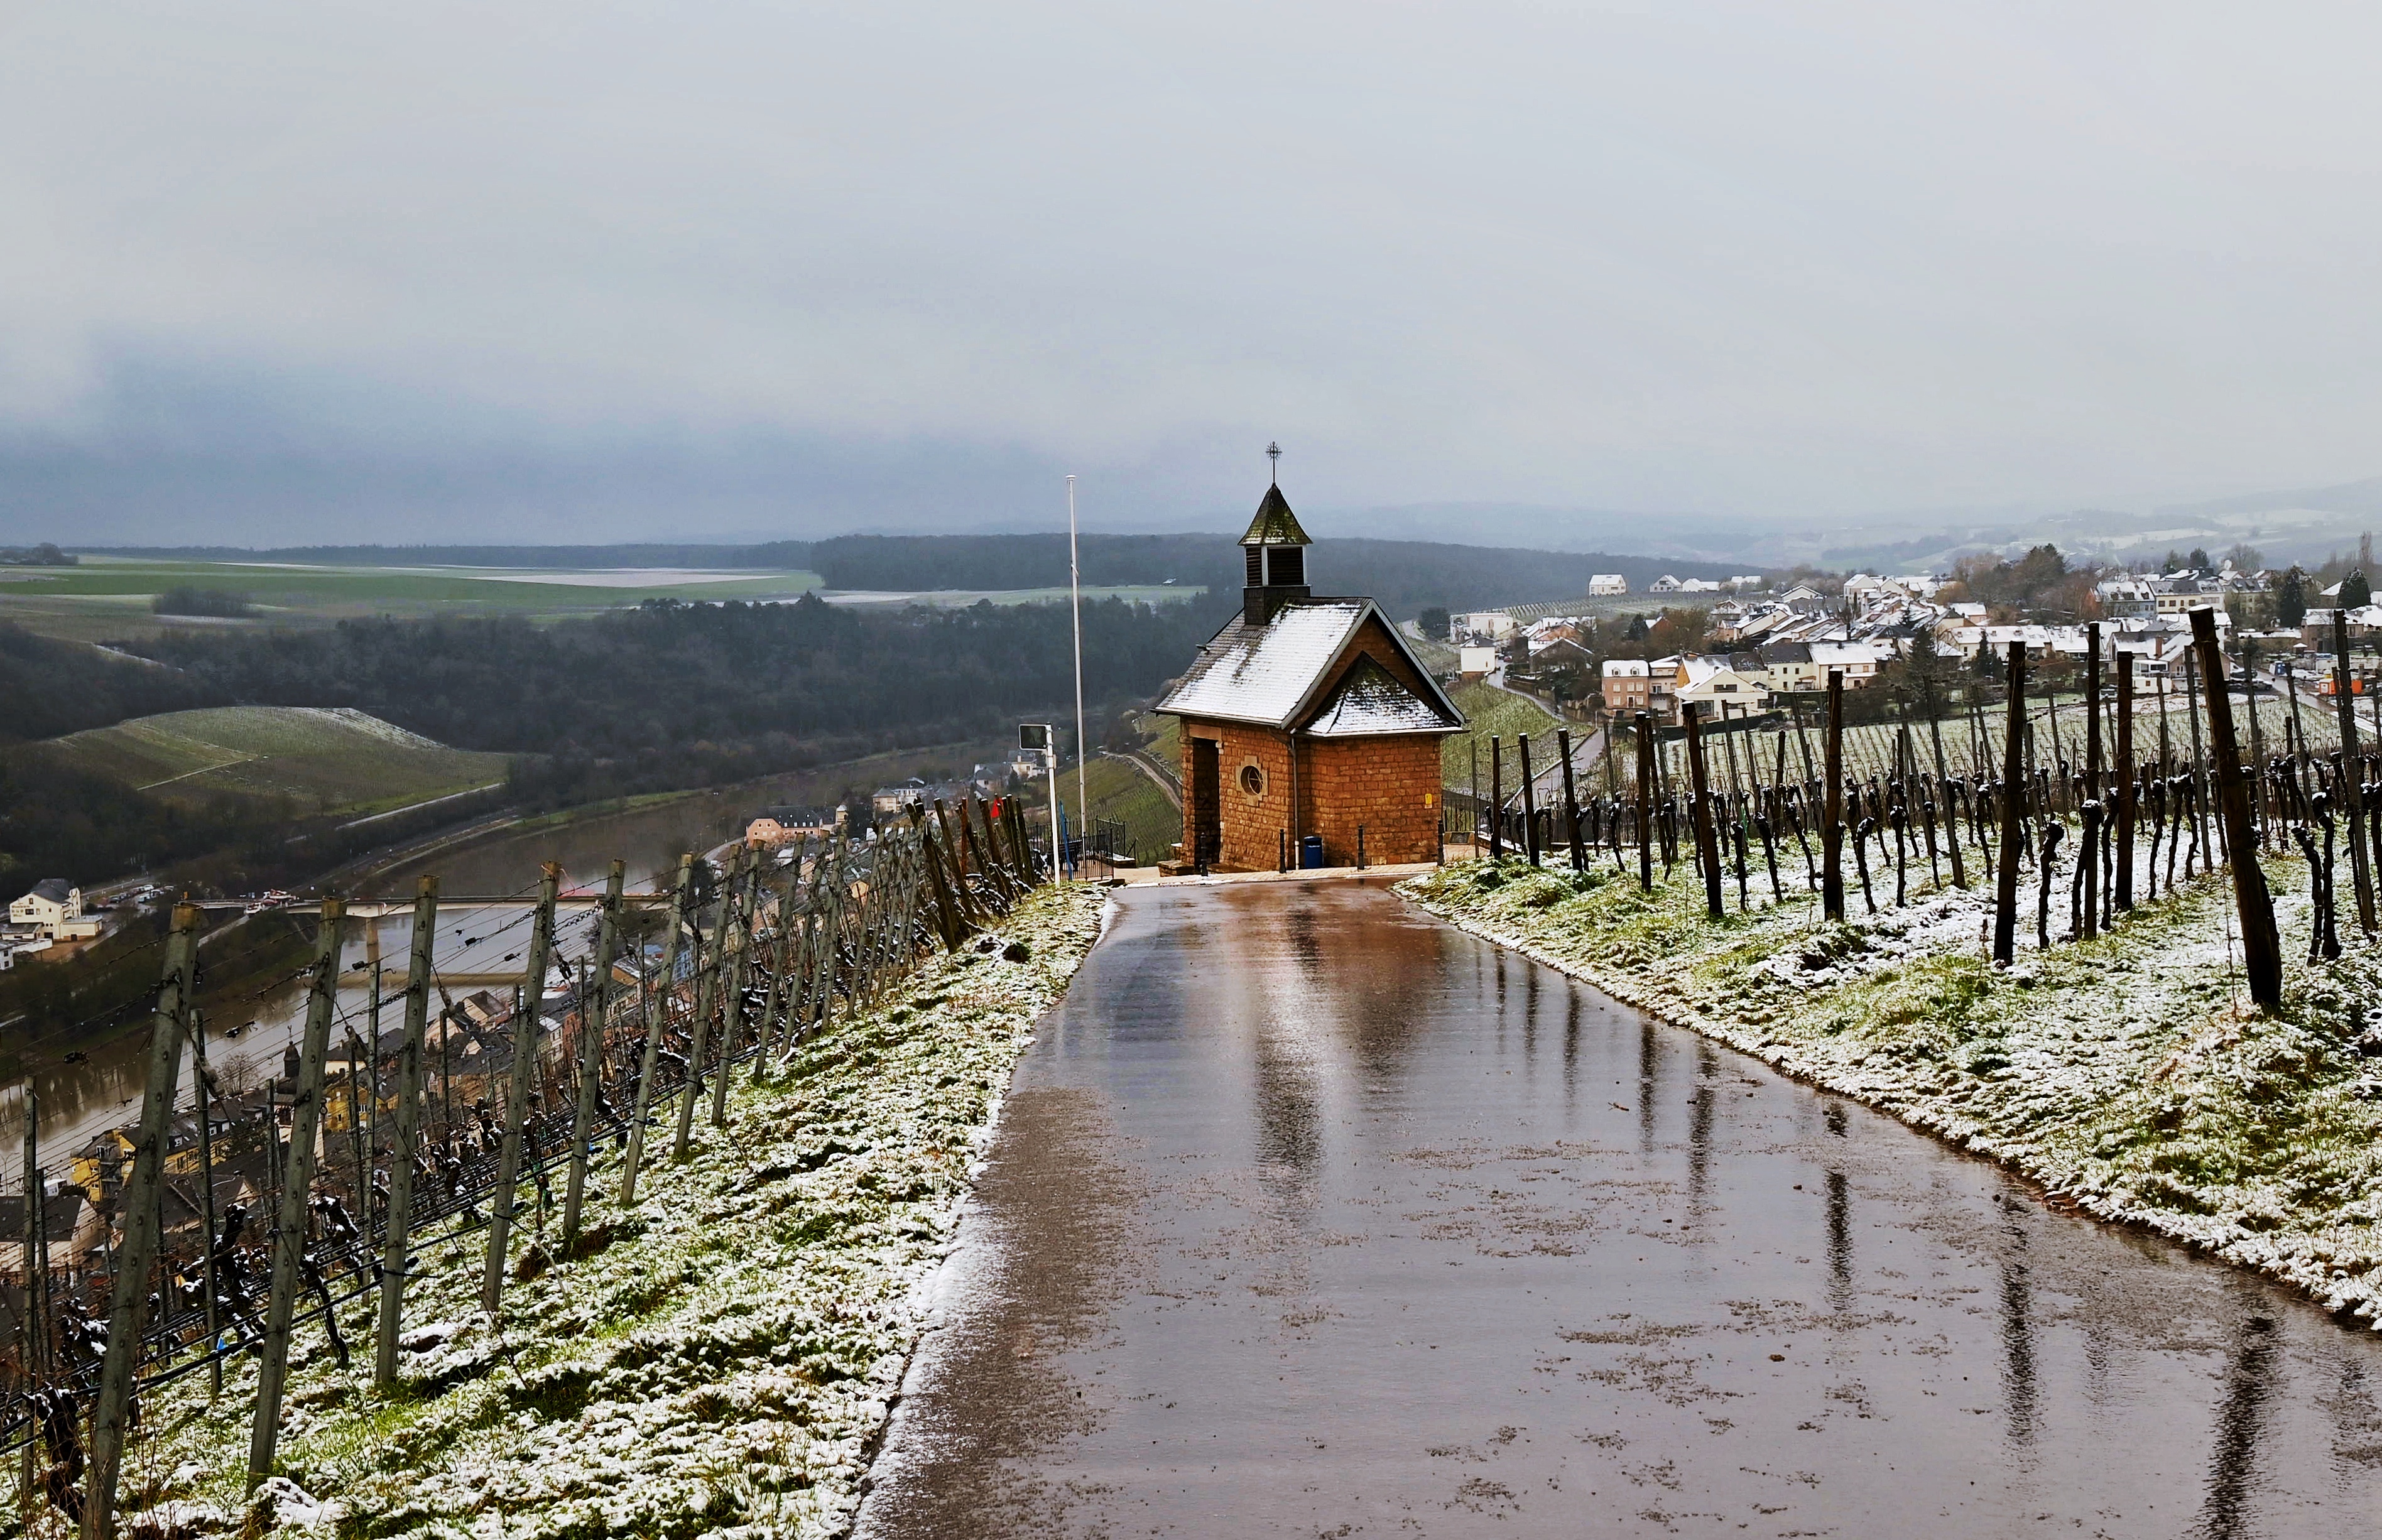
{"x":1372,"y":699}
{"x":1278,"y":675}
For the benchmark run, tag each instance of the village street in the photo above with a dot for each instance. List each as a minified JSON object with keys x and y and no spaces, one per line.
{"x":1309,"y":1215}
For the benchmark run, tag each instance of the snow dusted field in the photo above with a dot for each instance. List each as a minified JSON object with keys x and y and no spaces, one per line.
{"x":719,"y":1359}
{"x":2126,"y":1074}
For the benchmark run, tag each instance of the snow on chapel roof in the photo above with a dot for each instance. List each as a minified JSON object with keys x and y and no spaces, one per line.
{"x":1370,"y":700}
{"x":1268,"y":673}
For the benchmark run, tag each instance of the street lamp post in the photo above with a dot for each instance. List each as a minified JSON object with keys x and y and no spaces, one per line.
{"x":1082,"y":749}
{"x":1036,"y":738}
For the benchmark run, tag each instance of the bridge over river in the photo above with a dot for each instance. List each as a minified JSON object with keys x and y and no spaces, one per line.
{"x":1309,"y":1215}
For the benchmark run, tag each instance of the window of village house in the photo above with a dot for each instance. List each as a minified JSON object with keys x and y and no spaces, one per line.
{"x":1252,"y":780}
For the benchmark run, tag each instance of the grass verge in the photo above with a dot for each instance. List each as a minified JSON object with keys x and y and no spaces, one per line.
{"x":719,"y":1356}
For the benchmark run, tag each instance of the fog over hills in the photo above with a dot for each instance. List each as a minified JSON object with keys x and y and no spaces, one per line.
{"x":1746,"y":283}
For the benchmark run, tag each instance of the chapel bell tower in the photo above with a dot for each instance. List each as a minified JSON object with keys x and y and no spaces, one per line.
{"x":1275,"y":552}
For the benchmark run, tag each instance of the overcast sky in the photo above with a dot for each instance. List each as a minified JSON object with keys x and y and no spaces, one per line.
{"x":546,"y":271}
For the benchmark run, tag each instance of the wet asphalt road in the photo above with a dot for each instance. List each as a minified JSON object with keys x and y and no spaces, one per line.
{"x":1310,"y":1216}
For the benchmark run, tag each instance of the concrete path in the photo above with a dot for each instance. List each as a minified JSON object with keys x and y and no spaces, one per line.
{"x":1308,"y":1216}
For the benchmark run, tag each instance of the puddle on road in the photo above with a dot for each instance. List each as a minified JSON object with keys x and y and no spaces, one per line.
{"x":1312,"y":1217}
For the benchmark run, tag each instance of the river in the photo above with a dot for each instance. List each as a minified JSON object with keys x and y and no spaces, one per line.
{"x":83,"y":1099}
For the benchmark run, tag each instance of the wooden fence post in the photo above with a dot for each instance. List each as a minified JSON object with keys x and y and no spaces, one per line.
{"x":1699,"y":793}
{"x":2262,"y":949}
{"x":2088,"y":870}
{"x":526,"y":1023}
{"x":2352,"y":772}
{"x":1529,"y":800}
{"x":1952,"y":813}
{"x":592,"y":1021}
{"x":2013,"y":809}
{"x":731,"y":1012}
{"x":1643,"y":724}
{"x":783,"y":932}
{"x":707,"y":990}
{"x":397,"y":1233}
{"x":656,"y":1012}
{"x":290,"y":1232}
{"x":1571,"y":801}
{"x":1832,"y":818}
{"x":126,"y":1318}
{"x":2127,"y":773}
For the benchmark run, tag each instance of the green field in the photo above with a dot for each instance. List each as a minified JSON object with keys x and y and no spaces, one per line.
{"x":107,"y":597}
{"x":1491,"y":712}
{"x":319,"y":760}
{"x":1121,"y":791}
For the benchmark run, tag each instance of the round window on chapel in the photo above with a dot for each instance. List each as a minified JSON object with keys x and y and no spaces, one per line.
{"x":1252,"y":780}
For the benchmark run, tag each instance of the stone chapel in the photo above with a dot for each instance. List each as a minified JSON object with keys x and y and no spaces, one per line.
{"x":1306,"y":717}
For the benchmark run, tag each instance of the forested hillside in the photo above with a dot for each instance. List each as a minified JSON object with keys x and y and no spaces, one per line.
{"x":676,"y":694}
{"x":49,"y":688}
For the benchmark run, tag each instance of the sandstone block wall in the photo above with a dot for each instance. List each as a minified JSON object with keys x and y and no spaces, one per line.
{"x":1390,"y":786}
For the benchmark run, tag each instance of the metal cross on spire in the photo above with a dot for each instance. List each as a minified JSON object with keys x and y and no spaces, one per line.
{"x":1274,"y":453}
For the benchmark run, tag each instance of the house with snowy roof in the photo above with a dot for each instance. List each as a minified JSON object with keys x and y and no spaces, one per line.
{"x":1306,"y":717}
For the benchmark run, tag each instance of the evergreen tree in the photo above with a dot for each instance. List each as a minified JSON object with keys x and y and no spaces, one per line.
{"x":2355,"y":591}
{"x":2290,"y":599}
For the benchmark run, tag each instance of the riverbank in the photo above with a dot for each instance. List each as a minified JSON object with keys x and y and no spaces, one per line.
{"x":722,"y":1356}
{"x":2125,"y":1074}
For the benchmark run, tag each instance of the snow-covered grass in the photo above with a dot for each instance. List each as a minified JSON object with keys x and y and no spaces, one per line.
{"x":2127,"y":1074}
{"x":719,"y":1357}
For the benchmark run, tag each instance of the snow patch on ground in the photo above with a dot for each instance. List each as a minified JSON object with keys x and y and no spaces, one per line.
{"x":720,"y":1358}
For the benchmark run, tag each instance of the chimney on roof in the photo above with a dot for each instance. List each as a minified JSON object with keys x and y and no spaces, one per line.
{"x":1274,"y":556}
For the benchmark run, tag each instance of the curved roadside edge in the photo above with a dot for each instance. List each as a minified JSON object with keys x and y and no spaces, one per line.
{"x":2309,"y":1263}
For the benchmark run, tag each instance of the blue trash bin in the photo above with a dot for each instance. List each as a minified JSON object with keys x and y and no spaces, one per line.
{"x":1310,"y":850}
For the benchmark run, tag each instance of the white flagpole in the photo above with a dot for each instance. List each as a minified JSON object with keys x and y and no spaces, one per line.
{"x":1082,"y":749}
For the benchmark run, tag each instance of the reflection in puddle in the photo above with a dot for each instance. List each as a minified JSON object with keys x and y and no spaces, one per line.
{"x":1382,"y":1281}
{"x":2249,"y":1365}
{"x":2018,"y":1336}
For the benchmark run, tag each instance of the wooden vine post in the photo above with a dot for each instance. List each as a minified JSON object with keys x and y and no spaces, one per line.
{"x":298,"y":1180}
{"x":395,"y":1235}
{"x":1496,"y":801}
{"x":2089,"y":869}
{"x":2126,"y":771}
{"x":2352,"y":773}
{"x":732,"y":999}
{"x":525,"y":1034}
{"x":2261,"y":949}
{"x":1645,"y":733}
{"x":1832,"y":821}
{"x":1699,"y":810}
{"x":2013,"y":810}
{"x":1530,"y":801}
{"x":593,"y":1016}
{"x":657,"y":1007}
{"x":707,"y":989}
{"x":1571,"y":801}
{"x":134,"y":1260}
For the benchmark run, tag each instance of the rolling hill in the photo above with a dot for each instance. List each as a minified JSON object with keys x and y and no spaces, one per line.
{"x":319,"y":759}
